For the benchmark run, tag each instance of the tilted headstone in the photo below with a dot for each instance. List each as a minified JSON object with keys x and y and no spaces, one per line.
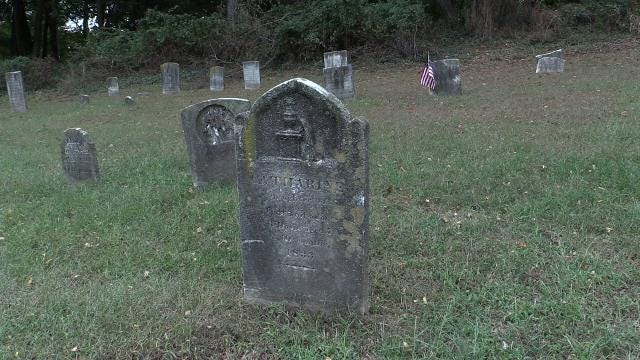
{"x":170,"y":78}
{"x":338,"y":75}
{"x":216,"y":78}
{"x":15,"y":89}
{"x":303,"y":182}
{"x":113,"y":88}
{"x":447,"y":74}
{"x":251,"y":74}
{"x":335,"y":59}
{"x":208,"y":132}
{"x":79,"y":159}
{"x":128,"y":100}
{"x":339,"y":81}
{"x":550,"y":63}
{"x":84,"y":99}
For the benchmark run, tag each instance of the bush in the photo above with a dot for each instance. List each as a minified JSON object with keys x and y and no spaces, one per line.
{"x":36,"y":73}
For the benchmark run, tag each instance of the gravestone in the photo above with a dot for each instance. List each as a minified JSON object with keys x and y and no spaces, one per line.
{"x":128,"y":100}
{"x":84,"y":99}
{"x":15,"y":89}
{"x":113,"y":88}
{"x":335,"y":59}
{"x":79,"y":159}
{"x":339,"y":81}
{"x":550,"y":63}
{"x":251,"y":73}
{"x":170,"y":78}
{"x":338,"y":75}
{"x":447,"y":74}
{"x":216,"y":78}
{"x":208,"y":132}
{"x":303,"y":182}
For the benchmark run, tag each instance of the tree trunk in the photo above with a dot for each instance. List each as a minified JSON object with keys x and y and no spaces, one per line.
{"x":447,"y":8}
{"x":85,"y":18}
{"x":21,"y":43}
{"x":53,"y":29}
{"x":101,"y":8}
{"x":37,"y":28}
{"x":232,"y":9}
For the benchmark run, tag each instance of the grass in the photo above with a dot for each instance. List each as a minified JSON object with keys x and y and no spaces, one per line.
{"x":504,"y":224}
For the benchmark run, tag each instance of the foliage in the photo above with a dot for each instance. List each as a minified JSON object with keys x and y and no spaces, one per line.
{"x":36,"y":73}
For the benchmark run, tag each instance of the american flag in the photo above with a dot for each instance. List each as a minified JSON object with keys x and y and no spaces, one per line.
{"x":427,"y":79}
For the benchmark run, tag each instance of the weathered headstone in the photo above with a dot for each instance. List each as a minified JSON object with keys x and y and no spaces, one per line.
{"x":170,"y":78}
{"x":251,"y":74}
{"x":338,"y":75}
{"x":339,"y":81}
{"x":216,"y":78}
{"x":128,"y":100}
{"x":84,"y":99}
{"x":15,"y":89}
{"x":208,"y":132}
{"x":113,"y":88}
{"x":79,"y":159}
{"x":303,"y":181}
{"x":447,"y":74}
{"x":335,"y":59}
{"x":550,"y":63}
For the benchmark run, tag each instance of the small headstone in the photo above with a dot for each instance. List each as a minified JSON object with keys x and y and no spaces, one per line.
{"x":216,"y":78}
{"x":339,"y":81}
{"x":335,"y":59}
{"x":128,"y":100}
{"x":170,"y":78}
{"x":251,"y":73}
{"x":550,"y":63}
{"x":447,"y":74}
{"x":208,"y":132}
{"x":79,"y":159}
{"x":112,"y":86}
{"x":84,"y":99}
{"x":303,"y":182}
{"x":15,"y":89}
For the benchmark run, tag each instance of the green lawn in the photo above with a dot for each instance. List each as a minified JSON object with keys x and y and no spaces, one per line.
{"x":504,"y":224}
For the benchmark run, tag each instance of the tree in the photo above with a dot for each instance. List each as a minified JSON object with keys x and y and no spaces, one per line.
{"x":21,"y":43}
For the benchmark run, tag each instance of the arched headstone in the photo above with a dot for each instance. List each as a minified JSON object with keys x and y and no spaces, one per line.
{"x":303,"y":182}
{"x":79,"y":159}
{"x":208,"y":132}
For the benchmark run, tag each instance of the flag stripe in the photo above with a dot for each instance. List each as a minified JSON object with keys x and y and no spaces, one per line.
{"x":428,"y":79}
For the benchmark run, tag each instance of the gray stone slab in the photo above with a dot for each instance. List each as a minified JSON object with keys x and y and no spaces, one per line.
{"x":339,"y":82}
{"x":251,"y":74}
{"x":84,"y":99}
{"x":303,"y":182}
{"x":447,"y":74}
{"x":550,"y":65}
{"x":208,"y":132}
{"x":113,"y":89}
{"x":216,"y":78}
{"x":170,"y":78}
{"x":79,"y":159}
{"x":15,"y":90}
{"x":335,"y":59}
